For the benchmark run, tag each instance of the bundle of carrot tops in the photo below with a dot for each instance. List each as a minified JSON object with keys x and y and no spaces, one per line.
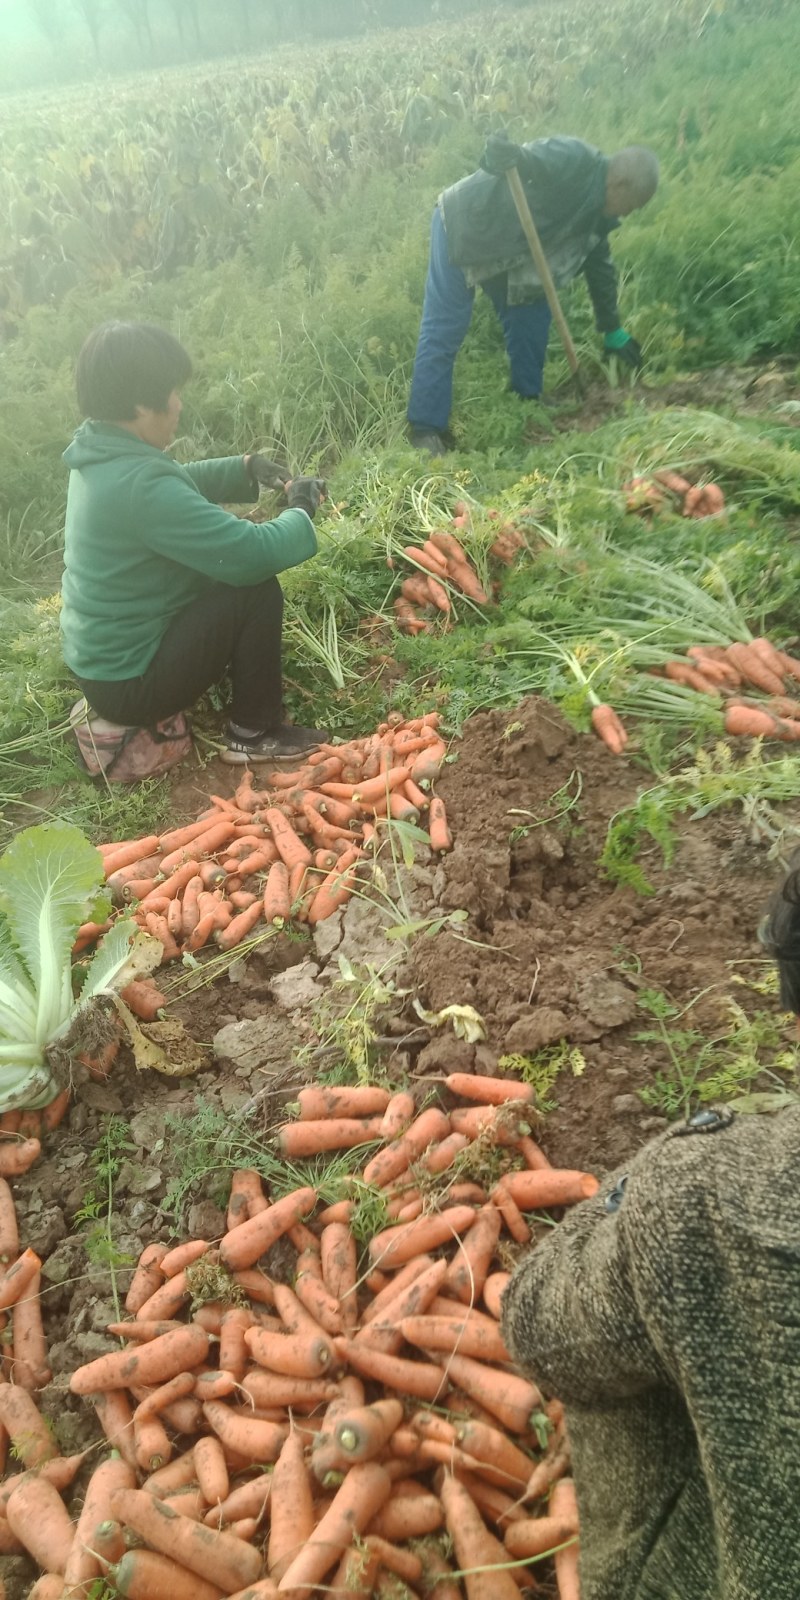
{"x":287,"y":1414}
{"x":291,"y":850}
{"x":442,"y":565}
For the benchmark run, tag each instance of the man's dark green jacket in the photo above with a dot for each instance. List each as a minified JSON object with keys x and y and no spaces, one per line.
{"x":145,"y":536}
{"x":565,"y":182}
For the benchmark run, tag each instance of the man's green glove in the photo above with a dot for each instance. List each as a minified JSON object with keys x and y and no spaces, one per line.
{"x":624,"y":347}
{"x":501,"y":154}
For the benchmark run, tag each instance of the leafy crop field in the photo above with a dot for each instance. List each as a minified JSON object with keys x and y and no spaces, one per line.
{"x":592,"y":933}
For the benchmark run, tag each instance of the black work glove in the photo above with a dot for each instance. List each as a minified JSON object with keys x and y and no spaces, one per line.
{"x":500,"y":154}
{"x":624,"y":347}
{"x":267,"y":474}
{"x":306,"y":493}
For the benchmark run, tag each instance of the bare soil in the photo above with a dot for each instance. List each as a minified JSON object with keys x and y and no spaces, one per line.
{"x":550,"y":952}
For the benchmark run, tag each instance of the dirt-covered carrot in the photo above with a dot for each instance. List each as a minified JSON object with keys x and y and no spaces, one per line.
{"x":82,"y":1565}
{"x":292,"y":1514}
{"x":335,"y":889}
{"x":144,"y":998}
{"x":469,"y":1267}
{"x":428,"y":1128}
{"x":452,"y":1333}
{"x":479,"y":1554}
{"x":440,"y":835}
{"x":297,"y":1140}
{"x":212,"y":1470}
{"x":299,"y":1355}
{"x":182,"y":1256}
{"x":15,"y":1159}
{"x":534,"y":1536}
{"x":166,"y":1301}
{"x":427,"y":764}
{"x":408,"y":1515}
{"x":38,"y":1517}
{"x":356,"y":1100}
{"x":17,"y":1279}
{"x":125,"y":855}
{"x":248,"y":1436}
{"x":513,"y":1220}
{"x":219,"y":1558}
{"x":394,"y":1246}
{"x":365,"y":1490}
{"x":609,"y":728}
{"x":9,"y":1231}
{"x":148,"y":1363}
{"x":232,"y":1348}
{"x":488,"y":1091}
{"x":361,"y":1434}
{"x":563,"y":1507}
{"x":30,"y":1369}
{"x":50,"y":1586}
{"x":493,"y":1291}
{"x":752,"y":668}
{"x":147,"y":1575}
{"x":289,"y":846}
{"x":339,"y":1261}
{"x":246,"y":1196}
{"x":278,"y":1391}
{"x":248,"y":1499}
{"x":553,"y":1187}
{"x":509,"y":1398}
{"x":151,"y":1443}
{"x":419,"y":1379}
{"x":115,"y":1415}
{"x":398,"y":1115}
{"x":242,"y":1246}
{"x":240,"y":927}
{"x":749,"y":722}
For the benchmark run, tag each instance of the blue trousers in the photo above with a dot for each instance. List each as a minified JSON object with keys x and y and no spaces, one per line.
{"x":446,"y":316}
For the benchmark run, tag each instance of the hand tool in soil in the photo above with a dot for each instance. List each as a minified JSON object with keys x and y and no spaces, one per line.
{"x":545,"y":275}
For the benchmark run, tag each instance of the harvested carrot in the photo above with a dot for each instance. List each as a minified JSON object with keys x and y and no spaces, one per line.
{"x":469,"y":1268}
{"x":428,"y":1128}
{"x":753,"y":670}
{"x":479,"y":1554}
{"x":82,"y":1565}
{"x":361,"y":1434}
{"x":748,"y":722}
{"x":219,"y":1558}
{"x":408,"y":1516}
{"x":149,"y":1363}
{"x":339,"y":1261}
{"x":125,"y":855}
{"x":38,"y":1517}
{"x":493,"y":1291}
{"x":509,"y":1398}
{"x":450,"y":1333}
{"x":166,"y":1301}
{"x":398,"y":1115}
{"x":296,"y":1140}
{"x":9,"y":1231}
{"x":440,"y":835}
{"x":146,"y":1575}
{"x":609,"y":728}
{"x":394,"y":1246}
{"x":15,"y":1159}
{"x":535,"y":1536}
{"x":115,"y":1415}
{"x":555,"y":1187}
{"x":243,"y":1245}
{"x":182,"y":1256}
{"x":31,"y":1369}
{"x":365,"y":1490}
{"x":513,"y":1220}
{"x":16,"y":1280}
{"x":292,"y":1515}
{"x":357,"y":1100}
{"x":290,"y":848}
{"x":563,"y":1505}
{"x":419,"y":1379}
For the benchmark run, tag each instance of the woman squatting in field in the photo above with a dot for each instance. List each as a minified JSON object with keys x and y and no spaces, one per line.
{"x":164,"y":592}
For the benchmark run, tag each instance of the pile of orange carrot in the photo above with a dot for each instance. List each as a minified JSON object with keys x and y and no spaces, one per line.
{"x":725,"y":671}
{"x":290,"y":850}
{"x":663,"y":491}
{"x":441,"y":565}
{"x":330,"y":1424}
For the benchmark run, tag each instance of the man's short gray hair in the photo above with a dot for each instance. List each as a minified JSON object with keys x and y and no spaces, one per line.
{"x":637,"y":169}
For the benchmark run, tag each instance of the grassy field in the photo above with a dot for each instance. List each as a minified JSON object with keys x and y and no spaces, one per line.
{"x":286,"y":245}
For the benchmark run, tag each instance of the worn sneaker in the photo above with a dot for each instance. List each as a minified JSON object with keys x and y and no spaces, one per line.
{"x":285,"y":744}
{"x":428,"y":439}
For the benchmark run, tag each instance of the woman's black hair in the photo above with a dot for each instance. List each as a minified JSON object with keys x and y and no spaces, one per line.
{"x":779,"y":933}
{"x":123,"y":365}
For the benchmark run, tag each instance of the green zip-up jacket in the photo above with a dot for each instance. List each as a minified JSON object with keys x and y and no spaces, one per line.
{"x":145,"y":537}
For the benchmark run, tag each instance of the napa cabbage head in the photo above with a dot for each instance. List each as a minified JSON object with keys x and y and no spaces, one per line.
{"x":52,"y":881}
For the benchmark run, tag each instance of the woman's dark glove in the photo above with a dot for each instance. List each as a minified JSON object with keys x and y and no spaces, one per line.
{"x":266,"y":473}
{"x":306,"y":493}
{"x":623,"y":345}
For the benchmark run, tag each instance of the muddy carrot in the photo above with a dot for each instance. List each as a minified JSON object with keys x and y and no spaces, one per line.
{"x":17,"y":1279}
{"x":493,"y":1290}
{"x":82,"y":1565}
{"x":334,"y":890}
{"x":30,"y":1369}
{"x":242,"y":1246}
{"x":419,"y":1379}
{"x":398,"y":1114}
{"x":182,"y":1256}
{"x":38,"y":1517}
{"x":115,"y":1415}
{"x":249,"y":1436}
{"x":246,"y":1500}
{"x":362,"y":1433}
{"x":408,"y":1516}
{"x":752,"y":668}
{"x":609,"y":728}
{"x":563,"y":1507}
{"x":15,"y":1159}
{"x":488,"y":1091}
{"x":125,"y":855}
{"x":428,"y":1128}
{"x":246,"y":1196}
{"x":276,"y":1390}
{"x":292,"y":1514}
{"x":365,"y":1490}
{"x":173,"y":887}
{"x":299,"y":1355}
{"x":50,"y":1586}
{"x":552,"y":1187}
{"x":297,"y":1140}
{"x":513,"y":1400}
{"x":513,"y":1220}
{"x":356,"y":1100}
{"x":340,"y":1269}
{"x":534,"y":1536}
{"x":427,"y":764}
{"x":232,"y":1347}
{"x":240,"y":927}
{"x":212,"y":1470}
{"x":213,"y":1385}
{"x":394,"y":1246}
{"x":748,"y":722}
{"x":440,"y":835}
{"x":478,"y":1553}
{"x":146,"y":1575}
{"x":9,"y":1231}
{"x":155,"y":1362}
{"x":289,"y":846}
{"x":449,"y":1333}
{"x":219,"y":1558}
